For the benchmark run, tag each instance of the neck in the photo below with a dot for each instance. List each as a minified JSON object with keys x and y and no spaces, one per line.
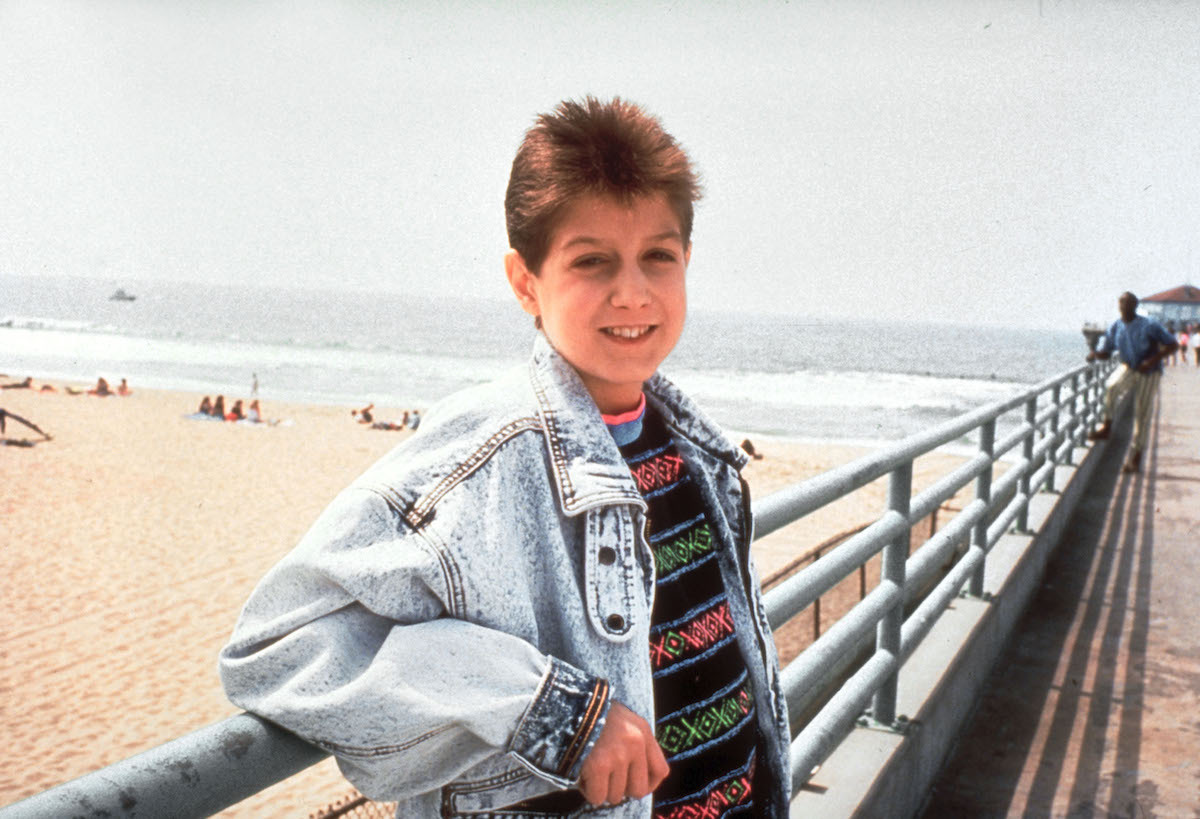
{"x":627,"y":426}
{"x":614,"y":418}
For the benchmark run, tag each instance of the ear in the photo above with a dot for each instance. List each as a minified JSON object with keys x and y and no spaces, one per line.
{"x":687,"y":255}
{"x":523,"y":283}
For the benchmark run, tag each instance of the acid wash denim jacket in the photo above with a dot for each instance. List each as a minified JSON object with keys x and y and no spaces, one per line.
{"x":454,"y":626}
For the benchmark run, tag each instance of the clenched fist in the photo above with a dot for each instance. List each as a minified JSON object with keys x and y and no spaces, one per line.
{"x":625,"y":761}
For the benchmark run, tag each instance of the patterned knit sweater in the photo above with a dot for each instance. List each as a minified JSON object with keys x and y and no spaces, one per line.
{"x":705,"y":720}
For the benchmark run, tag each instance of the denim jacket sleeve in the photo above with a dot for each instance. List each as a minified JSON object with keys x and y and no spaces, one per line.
{"x":349,"y":643}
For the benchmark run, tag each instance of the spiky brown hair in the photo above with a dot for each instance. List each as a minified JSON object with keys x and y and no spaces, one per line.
{"x":586,"y":148}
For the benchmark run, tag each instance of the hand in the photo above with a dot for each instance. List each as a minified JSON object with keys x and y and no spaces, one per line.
{"x":625,"y":761}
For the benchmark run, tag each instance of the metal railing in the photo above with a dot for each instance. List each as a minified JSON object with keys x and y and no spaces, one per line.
{"x":1053,"y":424}
{"x":217,"y":766}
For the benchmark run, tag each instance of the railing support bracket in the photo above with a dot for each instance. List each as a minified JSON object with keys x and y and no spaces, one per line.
{"x":901,"y":725}
{"x":986,"y":597}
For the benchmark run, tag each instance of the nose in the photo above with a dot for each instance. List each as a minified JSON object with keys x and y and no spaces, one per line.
{"x":631,"y":287}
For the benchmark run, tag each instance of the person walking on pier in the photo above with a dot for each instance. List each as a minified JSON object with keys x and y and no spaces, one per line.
{"x":1142,"y":343}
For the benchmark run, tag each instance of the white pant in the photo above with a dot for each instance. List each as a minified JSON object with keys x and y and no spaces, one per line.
{"x":1144,"y":385}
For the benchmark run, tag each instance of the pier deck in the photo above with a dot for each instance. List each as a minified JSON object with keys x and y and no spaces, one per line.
{"x":1094,"y":709}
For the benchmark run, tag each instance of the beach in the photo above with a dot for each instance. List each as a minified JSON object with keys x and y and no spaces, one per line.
{"x":131,"y":540}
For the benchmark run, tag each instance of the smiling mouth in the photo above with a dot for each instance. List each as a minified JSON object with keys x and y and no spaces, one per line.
{"x":632,"y":332}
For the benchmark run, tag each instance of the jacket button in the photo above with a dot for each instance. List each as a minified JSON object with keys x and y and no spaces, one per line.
{"x":615,"y":622}
{"x":608,"y":555}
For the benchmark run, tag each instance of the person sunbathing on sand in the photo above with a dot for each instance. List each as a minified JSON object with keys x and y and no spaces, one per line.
{"x":364,"y":414}
{"x":123,"y":389}
{"x":236,"y":413}
{"x":255,"y":412}
{"x":218,"y":408}
{"x":207,"y":411}
{"x":18,"y":385}
{"x":101,"y":389}
{"x":392,"y":425}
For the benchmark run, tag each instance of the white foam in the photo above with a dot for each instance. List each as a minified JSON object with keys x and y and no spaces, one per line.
{"x":845,"y":389}
{"x":84,"y":347}
{"x":42,"y":323}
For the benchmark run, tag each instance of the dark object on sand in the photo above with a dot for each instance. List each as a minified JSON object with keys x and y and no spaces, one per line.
{"x":5,"y":414}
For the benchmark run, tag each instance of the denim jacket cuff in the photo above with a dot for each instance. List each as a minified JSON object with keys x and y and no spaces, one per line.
{"x":561,"y":725}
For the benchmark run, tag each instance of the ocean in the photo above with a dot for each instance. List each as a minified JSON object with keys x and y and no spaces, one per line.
{"x":805,"y":378}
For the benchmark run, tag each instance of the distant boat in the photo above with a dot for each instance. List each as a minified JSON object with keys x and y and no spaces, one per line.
{"x":121,"y":295}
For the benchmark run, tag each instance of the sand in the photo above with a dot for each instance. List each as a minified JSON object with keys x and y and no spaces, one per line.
{"x":129,"y":542}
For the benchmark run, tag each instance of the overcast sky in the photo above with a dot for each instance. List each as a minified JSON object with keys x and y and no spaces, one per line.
{"x":998,"y":162}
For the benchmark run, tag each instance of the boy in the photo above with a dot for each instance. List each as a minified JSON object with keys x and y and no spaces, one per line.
{"x":542,"y":604}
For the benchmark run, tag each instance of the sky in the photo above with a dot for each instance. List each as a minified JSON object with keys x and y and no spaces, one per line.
{"x":1003,"y":163}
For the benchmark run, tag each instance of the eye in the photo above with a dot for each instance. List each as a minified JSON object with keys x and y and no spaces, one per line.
{"x":662,"y":255}
{"x":588,"y":262}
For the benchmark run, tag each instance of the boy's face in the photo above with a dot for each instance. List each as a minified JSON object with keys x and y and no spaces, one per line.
{"x":611,"y":293}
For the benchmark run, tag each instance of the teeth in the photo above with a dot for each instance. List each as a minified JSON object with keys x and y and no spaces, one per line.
{"x":627,"y":332}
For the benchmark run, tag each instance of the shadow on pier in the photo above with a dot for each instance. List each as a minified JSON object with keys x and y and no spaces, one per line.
{"x":1094,"y":708}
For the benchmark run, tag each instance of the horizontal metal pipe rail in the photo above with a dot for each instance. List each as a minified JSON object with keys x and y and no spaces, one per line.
{"x":1040,"y":435}
{"x":195,"y":775}
{"x":925,"y":562}
{"x":791,"y":596}
{"x":217,"y":766}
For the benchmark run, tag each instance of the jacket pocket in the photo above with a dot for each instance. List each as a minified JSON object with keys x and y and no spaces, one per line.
{"x":616,"y":604}
{"x":553,"y":804}
{"x":512,"y":794}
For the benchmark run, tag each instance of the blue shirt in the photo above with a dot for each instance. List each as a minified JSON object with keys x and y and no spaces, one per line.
{"x":1136,"y":340}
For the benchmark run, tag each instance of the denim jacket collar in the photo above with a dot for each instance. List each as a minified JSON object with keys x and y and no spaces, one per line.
{"x":687,"y":419}
{"x":587,"y":466}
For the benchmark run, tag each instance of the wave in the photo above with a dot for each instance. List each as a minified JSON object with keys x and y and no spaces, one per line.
{"x":45,"y":323}
{"x":164,"y":338}
{"x":336,"y":374}
{"x":803,"y":389}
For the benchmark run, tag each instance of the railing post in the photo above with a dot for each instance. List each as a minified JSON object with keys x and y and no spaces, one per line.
{"x":1075,"y":427}
{"x":887,"y":633}
{"x":983,"y":492}
{"x":1089,"y":399}
{"x":816,"y":607}
{"x":1022,"y":524}
{"x":1052,"y":453}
